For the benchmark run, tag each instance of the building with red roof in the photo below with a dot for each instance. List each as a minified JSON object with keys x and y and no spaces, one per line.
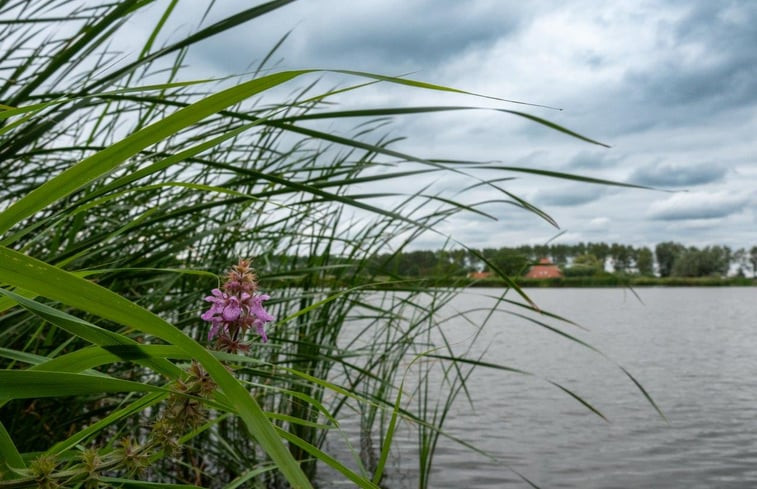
{"x":479,"y":275}
{"x":545,"y":269}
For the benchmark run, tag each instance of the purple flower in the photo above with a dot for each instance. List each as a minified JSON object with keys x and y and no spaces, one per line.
{"x":237,"y":308}
{"x":231,"y":310}
{"x":256,"y":308}
{"x":260,"y":314}
{"x":223,"y":310}
{"x":214,"y":329}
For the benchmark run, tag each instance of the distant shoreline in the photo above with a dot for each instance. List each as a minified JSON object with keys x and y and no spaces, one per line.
{"x":613,"y":281}
{"x":606,"y":281}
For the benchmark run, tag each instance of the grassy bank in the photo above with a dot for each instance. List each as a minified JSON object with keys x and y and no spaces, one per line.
{"x":618,"y":281}
{"x":386,"y":283}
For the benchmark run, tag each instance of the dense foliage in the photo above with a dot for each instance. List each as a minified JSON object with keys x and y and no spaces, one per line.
{"x":668,"y":259}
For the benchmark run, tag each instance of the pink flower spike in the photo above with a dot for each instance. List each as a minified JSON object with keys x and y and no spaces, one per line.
{"x":256,"y":308}
{"x":217,"y":296}
{"x":215,"y":328}
{"x":235,"y":308}
{"x":261,"y":331}
{"x":232,"y":310}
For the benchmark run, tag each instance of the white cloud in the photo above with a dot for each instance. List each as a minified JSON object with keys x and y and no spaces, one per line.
{"x":697,"y":205}
{"x":598,"y":223}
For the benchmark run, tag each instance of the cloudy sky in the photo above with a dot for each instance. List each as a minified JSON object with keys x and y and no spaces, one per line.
{"x":670,"y":85}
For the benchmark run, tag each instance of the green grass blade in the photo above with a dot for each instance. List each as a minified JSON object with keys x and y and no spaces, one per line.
{"x":118,"y":482}
{"x":134,"y":407}
{"x":158,"y":27}
{"x":29,"y":108}
{"x":563,"y":176}
{"x":8,"y":452}
{"x":432,"y":86}
{"x":22,"y":356}
{"x":244,"y":478}
{"x":328,"y":460}
{"x":479,"y":363}
{"x":80,"y":360}
{"x":29,"y":384}
{"x":422,"y":110}
{"x":645,"y":393}
{"x":88,"y":331}
{"x":389,"y":436}
{"x":579,"y":399}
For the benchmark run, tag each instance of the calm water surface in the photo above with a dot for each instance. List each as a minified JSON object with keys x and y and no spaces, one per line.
{"x":693,"y":349}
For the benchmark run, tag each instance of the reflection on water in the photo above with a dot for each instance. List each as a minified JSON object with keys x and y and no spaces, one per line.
{"x":693,"y":349}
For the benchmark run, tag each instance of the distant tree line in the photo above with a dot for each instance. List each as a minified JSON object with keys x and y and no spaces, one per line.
{"x":668,"y":259}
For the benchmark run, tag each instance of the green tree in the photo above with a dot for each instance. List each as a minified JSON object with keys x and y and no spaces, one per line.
{"x":621,"y":257}
{"x":584,"y":266}
{"x":541,"y":251}
{"x":687,"y":263}
{"x":560,"y":254}
{"x":667,"y":253}
{"x":645,"y":261}
{"x":739,"y":258}
{"x":509,"y":260}
{"x":709,"y":261}
{"x":600,"y":250}
{"x":450,"y":263}
{"x":420,"y":263}
{"x":578,"y":249}
{"x":529,"y":252}
{"x":716,"y":260}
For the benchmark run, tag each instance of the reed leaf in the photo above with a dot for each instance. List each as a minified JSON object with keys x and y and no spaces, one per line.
{"x":28,"y":384}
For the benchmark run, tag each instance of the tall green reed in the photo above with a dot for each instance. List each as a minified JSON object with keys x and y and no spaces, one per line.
{"x":121,"y":204}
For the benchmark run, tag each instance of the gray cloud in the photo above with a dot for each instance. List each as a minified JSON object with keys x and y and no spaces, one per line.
{"x":420,"y":33}
{"x":569,"y":196}
{"x":701,"y":205}
{"x":592,"y":160}
{"x":388,"y":36}
{"x":710,"y":62}
{"x":677,"y":174}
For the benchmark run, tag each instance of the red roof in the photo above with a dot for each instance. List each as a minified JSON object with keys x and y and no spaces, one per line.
{"x":545,"y":269}
{"x":479,"y":275}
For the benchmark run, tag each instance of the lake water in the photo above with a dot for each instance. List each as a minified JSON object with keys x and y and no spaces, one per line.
{"x":693,"y":349}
